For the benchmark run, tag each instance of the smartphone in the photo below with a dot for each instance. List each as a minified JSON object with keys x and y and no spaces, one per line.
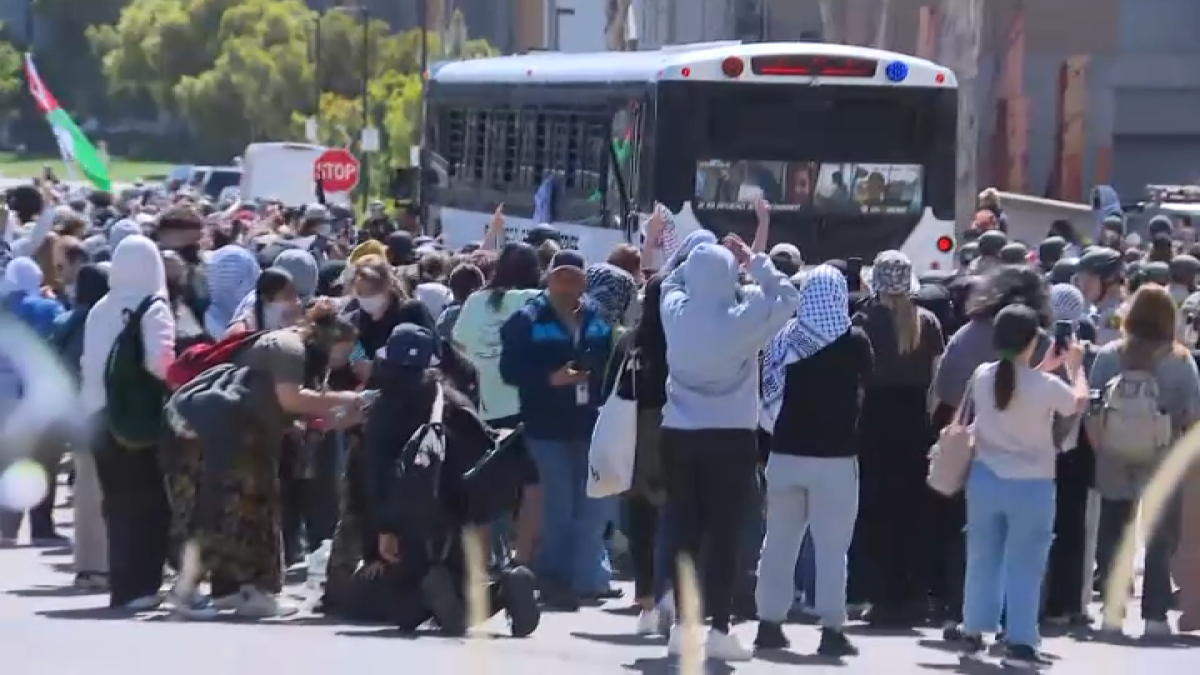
{"x":1063,"y":332}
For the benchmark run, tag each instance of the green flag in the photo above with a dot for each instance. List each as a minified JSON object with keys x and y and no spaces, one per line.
{"x":74,"y":146}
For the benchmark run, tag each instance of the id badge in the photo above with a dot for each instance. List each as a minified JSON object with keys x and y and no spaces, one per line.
{"x":581,"y":394}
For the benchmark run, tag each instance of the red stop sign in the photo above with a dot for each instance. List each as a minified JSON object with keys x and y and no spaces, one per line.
{"x":337,"y":169}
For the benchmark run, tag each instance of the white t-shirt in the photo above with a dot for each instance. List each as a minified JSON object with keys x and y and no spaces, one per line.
{"x":1018,"y":442}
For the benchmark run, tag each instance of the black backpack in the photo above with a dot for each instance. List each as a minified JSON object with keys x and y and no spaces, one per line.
{"x":414,"y":495}
{"x":134,"y":411}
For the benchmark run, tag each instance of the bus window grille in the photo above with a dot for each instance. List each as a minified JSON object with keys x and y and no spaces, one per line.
{"x":511,"y":148}
{"x":452,"y":132}
{"x":479,"y":145}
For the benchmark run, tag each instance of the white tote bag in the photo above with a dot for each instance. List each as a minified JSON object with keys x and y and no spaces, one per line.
{"x":611,"y":456}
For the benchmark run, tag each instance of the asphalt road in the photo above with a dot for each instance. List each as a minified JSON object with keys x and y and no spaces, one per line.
{"x":46,"y":628}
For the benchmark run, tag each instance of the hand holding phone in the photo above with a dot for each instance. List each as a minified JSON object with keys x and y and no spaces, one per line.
{"x":1064,"y":332}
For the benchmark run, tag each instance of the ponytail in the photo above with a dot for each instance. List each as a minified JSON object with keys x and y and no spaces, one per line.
{"x":1005,"y":384}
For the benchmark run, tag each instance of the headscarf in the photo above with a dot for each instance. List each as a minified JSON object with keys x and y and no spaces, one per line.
{"x":232,"y":274}
{"x":823,"y":317}
{"x":120,"y":230}
{"x":90,"y":286}
{"x":23,"y":275}
{"x":612,"y":289}
{"x":892,"y":274}
{"x":1067,"y":303}
{"x":303,"y":267}
{"x":368,"y":247}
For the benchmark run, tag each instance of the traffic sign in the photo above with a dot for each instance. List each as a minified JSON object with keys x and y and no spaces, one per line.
{"x":337,"y":169}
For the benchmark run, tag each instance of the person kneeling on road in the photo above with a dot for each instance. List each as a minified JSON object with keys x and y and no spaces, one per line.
{"x":421,"y":437}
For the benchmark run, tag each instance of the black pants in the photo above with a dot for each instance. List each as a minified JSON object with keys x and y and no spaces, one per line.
{"x":709,"y":475}
{"x":41,"y":516}
{"x":310,"y":499}
{"x":138,"y":519}
{"x":946,"y":557}
{"x":891,"y":533}
{"x":1064,"y":569}
{"x":641,"y":517}
{"x":1157,"y":591}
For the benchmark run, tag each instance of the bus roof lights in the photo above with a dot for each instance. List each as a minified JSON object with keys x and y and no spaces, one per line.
{"x":686,"y":72}
{"x":733,"y":67}
{"x":940,"y":78}
{"x":896,"y":71}
{"x":945,"y":244}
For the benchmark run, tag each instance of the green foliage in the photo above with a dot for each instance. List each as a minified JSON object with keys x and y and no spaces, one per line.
{"x":238,"y":71}
{"x":11,"y":79}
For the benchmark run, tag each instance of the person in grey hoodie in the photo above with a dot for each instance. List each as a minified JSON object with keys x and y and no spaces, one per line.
{"x":714,"y":331}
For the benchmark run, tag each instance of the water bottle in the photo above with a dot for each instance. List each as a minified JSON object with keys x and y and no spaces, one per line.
{"x":318,"y":562}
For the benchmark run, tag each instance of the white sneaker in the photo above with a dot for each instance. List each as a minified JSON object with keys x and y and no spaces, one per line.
{"x":145,"y":603}
{"x":1157,"y":629}
{"x":254,"y":604}
{"x":647,"y":622}
{"x":192,"y":606}
{"x":666,"y":611}
{"x":678,"y":638}
{"x":231,"y":601}
{"x":722,"y":646}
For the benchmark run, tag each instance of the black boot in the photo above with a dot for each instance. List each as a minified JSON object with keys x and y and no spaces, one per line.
{"x":519,"y":591}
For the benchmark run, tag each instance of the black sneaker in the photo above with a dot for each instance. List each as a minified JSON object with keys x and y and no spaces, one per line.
{"x":834,"y":643}
{"x":520,"y":600}
{"x":953,"y":632}
{"x":971,"y":646}
{"x":440,"y":594}
{"x":1023,"y":656}
{"x":770,"y":636}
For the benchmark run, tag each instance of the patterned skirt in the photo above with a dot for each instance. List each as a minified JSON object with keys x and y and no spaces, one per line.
{"x":233,"y":517}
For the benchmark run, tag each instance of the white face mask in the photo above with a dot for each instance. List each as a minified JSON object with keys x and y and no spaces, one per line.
{"x":372,"y":304}
{"x":277,"y":315}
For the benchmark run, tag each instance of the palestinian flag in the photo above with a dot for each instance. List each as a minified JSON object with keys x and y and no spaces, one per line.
{"x":75,"y":147}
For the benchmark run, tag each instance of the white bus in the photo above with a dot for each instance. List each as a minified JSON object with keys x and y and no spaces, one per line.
{"x":853,"y":147}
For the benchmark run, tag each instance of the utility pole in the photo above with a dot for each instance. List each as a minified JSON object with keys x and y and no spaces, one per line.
{"x":423,"y":23}
{"x":365,"y":16}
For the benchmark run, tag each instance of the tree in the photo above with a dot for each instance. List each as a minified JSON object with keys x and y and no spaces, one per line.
{"x":239,"y":71}
{"x":11,"y":64}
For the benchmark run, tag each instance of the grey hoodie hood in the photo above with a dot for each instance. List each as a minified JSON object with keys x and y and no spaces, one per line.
{"x":714,"y":331}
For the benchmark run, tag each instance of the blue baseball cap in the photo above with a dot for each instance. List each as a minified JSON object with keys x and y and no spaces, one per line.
{"x":410,"y":346}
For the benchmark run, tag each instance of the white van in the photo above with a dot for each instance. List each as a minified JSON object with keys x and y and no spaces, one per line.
{"x":284,"y":171}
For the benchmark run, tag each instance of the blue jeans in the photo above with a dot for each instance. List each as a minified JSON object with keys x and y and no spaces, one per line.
{"x":1010,"y":525}
{"x":572,"y":552}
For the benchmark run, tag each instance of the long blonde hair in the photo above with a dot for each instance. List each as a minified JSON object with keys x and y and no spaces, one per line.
{"x":906,"y":320}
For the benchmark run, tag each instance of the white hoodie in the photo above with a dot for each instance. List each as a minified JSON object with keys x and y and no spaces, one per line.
{"x":136,"y":273}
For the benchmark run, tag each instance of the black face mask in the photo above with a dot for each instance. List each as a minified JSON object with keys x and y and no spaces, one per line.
{"x":190,"y":253}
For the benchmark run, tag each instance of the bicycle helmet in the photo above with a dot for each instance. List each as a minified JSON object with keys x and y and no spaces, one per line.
{"x":1014,"y":253}
{"x":1102,"y":262}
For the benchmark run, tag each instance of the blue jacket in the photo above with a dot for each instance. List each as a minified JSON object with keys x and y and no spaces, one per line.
{"x":534,"y":344}
{"x":35,"y":311}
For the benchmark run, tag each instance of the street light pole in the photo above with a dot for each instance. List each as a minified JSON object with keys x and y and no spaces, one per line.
{"x":317,"y":73}
{"x":366,"y":113}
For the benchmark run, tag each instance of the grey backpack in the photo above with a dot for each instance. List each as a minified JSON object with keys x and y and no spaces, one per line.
{"x":1129,"y":424}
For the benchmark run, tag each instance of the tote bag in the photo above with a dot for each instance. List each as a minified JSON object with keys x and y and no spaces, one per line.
{"x":950,"y":458}
{"x":611,"y":455}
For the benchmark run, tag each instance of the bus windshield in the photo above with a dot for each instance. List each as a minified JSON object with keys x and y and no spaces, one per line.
{"x":816,"y":150}
{"x":823,"y":188}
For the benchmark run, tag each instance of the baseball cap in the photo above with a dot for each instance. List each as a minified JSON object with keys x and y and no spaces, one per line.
{"x":542,"y":233}
{"x":786,"y":258}
{"x":410,"y":347}
{"x":565,"y":259}
{"x":316,"y":212}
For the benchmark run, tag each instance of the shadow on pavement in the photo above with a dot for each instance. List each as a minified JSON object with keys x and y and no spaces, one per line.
{"x":670,"y":666}
{"x":621,"y":639}
{"x":58,"y":551}
{"x":790,"y":658}
{"x":55,"y":592}
{"x":879,"y":631}
{"x":966,"y":667}
{"x":88,"y":614}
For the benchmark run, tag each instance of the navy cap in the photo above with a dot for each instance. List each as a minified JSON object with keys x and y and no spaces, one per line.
{"x":410,"y":346}
{"x":538,"y":234}
{"x":567,"y":258}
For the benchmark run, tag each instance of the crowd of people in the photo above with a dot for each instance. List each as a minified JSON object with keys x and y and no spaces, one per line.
{"x":266,"y":387}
